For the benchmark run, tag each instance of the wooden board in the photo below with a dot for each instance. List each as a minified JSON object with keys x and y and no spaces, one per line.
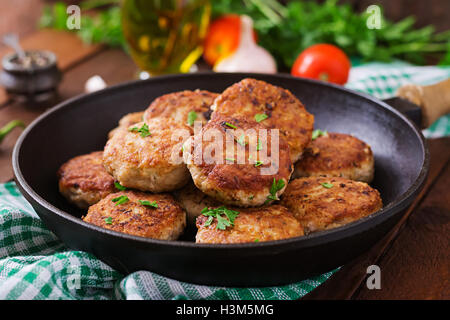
{"x":416,"y":266}
{"x":350,"y":279}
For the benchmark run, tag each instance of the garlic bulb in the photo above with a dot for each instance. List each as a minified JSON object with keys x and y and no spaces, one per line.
{"x":248,"y":57}
{"x":94,"y":83}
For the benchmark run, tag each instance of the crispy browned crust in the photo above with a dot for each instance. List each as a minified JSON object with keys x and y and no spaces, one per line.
{"x":337,"y":154}
{"x":165,"y":222}
{"x":318,"y":208}
{"x":233,"y":183}
{"x":176,"y":106}
{"x":85,"y":175}
{"x":252,"y":225}
{"x":250,"y":97}
{"x":128,"y":120}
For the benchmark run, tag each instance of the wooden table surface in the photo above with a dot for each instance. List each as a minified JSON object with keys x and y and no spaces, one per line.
{"x":413,"y":258}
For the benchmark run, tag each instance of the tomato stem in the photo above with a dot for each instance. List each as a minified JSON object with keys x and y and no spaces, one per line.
{"x":324,"y":76}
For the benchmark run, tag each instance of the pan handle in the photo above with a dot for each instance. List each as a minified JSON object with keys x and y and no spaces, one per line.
{"x":433,"y":100}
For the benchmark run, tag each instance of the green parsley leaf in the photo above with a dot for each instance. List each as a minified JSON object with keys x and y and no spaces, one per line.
{"x":259,"y":145}
{"x":317,"y":133}
{"x":108,"y":220}
{"x":242,"y":141}
{"x":327,"y":185}
{"x":260,"y":117}
{"x":120,"y":200}
{"x":148,"y":203}
{"x":143,"y":130}
{"x":119,"y":186}
{"x":280,"y":184}
{"x":258,"y":163}
{"x":225,"y":217}
{"x":209,"y":221}
{"x":276,"y":186}
{"x":192,"y":115}
{"x":256,"y":240}
{"x":230,"y":125}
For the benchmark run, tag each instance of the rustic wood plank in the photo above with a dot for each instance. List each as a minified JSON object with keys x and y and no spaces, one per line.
{"x":417,"y":266}
{"x":69,"y":49}
{"x":113,"y":65}
{"x":344,"y":283}
{"x":19,"y":16}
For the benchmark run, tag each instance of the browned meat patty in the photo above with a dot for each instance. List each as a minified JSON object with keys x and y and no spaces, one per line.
{"x":84,"y":181}
{"x":156,"y":216}
{"x":176,"y":107}
{"x":193,"y":201}
{"x":127,"y":121}
{"x":321,"y":203}
{"x":145,"y":160}
{"x":240,"y":174}
{"x":249,"y":98}
{"x":266,"y":223}
{"x":337,"y":155}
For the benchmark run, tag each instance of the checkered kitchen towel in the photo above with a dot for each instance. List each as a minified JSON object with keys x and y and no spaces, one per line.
{"x":34,"y":264}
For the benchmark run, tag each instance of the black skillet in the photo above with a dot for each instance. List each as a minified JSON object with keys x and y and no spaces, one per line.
{"x":81,"y":124}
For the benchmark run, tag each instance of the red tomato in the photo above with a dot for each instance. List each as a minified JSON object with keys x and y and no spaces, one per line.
{"x":222,"y":38}
{"x":323,"y":62}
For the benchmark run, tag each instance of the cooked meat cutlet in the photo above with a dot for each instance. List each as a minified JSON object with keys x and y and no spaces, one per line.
{"x":156,"y":216}
{"x":266,"y":223}
{"x":175,"y":107}
{"x":127,"y":121}
{"x":193,"y":201}
{"x":240,"y":174}
{"x":336,"y":155}
{"x":84,"y":181}
{"x":321,"y":203}
{"x":249,"y":98}
{"x":146,"y":157}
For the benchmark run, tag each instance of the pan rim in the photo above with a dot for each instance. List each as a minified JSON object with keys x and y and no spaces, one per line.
{"x":313,"y":239}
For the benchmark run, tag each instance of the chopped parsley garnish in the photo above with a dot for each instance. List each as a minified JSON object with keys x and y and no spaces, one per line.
{"x":119,"y":186}
{"x":225,"y":217}
{"x":276,"y":186}
{"x":230,"y":159}
{"x":192,"y":115}
{"x":317,"y":133}
{"x":327,"y":185}
{"x":260,"y":117}
{"x":142,"y":130}
{"x":230,"y":125}
{"x":108,"y":220}
{"x":259,"y":145}
{"x":251,"y":197}
{"x":120,"y":200}
{"x":256,"y":240}
{"x":242,"y":141}
{"x":146,"y":203}
{"x":258,"y":163}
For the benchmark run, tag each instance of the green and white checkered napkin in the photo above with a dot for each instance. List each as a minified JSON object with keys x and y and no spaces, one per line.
{"x":34,"y":264}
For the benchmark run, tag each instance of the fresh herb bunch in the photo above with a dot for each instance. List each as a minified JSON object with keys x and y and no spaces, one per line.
{"x":287,"y":30}
{"x":102,"y":27}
